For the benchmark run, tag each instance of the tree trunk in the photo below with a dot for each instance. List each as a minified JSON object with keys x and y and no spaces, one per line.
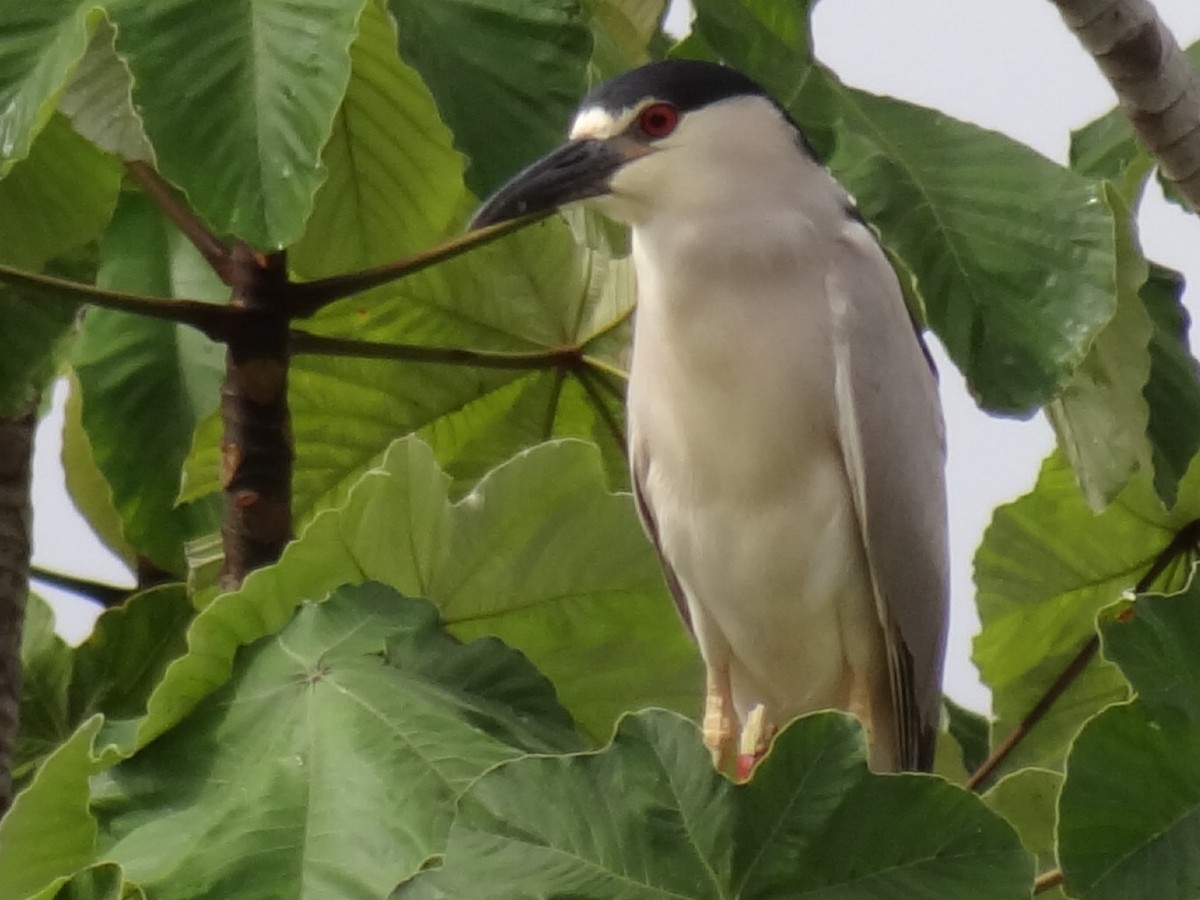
{"x":16,"y":516}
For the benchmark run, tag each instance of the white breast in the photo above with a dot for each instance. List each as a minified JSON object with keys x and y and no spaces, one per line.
{"x":731,"y":405}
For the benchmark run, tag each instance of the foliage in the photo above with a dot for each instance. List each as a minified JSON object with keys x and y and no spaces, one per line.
{"x":435,"y":691}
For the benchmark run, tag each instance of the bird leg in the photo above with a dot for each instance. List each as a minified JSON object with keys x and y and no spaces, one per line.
{"x":718,"y":716}
{"x":756,"y":739}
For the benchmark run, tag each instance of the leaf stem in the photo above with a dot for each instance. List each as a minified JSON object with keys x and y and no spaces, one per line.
{"x":167,"y":199}
{"x":1185,"y":539}
{"x":1047,"y":881}
{"x":310,"y":296}
{"x":212,"y":319}
{"x":305,"y":342}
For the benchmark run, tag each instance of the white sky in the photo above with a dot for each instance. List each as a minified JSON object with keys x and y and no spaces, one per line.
{"x":1010,"y":66}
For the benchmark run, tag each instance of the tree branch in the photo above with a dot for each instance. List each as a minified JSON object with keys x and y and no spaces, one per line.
{"x":1185,"y":539}
{"x":311,"y":296}
{"x":304,"y":342}
{"x":1158,"y":88}
{"x":107,"y":595}
{"x":165,"y":197}
{"x":212,"y":319}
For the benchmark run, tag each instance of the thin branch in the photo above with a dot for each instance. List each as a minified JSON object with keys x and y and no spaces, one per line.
{"x":1048,"y":881}
{"x":311,"y":296}
{"x":1158,"y":88}
{"x":211,"y":318}
{"x":167,"y":199}
{"x":304,"y":342}
{"x":1185,"y":539}
{"x":107,"y":595}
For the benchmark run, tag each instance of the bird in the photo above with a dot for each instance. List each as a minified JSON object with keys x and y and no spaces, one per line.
{"x":785,"y":437}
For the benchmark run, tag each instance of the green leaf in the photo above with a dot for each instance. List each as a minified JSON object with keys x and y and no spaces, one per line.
{"x":39,"y":45}
{"x":1028,"y":800}
{"x":395,"y":179}
{"x":506,"y":74}
{"x":1132,"y":836}
{"x":540,"y":554}
{"x":622,"y":32}
{"x":105,"y":881}
{"x":970,"y":730}
{"x":238,"y":99}
{"x":1101,"y":417}
{"x":1173,"y":391}
{"x":99,"y":100}
{"x":45,"y":678}
{"x":73,"y":189}
{"x":49,"y":832}
{"x":88,"y":488}
{"x":145,"y":383}
{"x":1012,"y":256}
{"x":812,"y":822}
{"x":1153,"y":639}
{"x":329,"y":764}
{"x":1046,"y":566}
{"x":112,"y":672}
{"x":771,"y":41}
{"x":537,"y":291}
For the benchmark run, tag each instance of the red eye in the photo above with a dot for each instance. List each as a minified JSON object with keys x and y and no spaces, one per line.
{"x":658,"y":120}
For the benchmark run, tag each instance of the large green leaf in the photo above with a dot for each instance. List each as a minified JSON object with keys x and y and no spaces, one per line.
{"x":99,"y":100}
{"x":49,"y":832}
{"x":1106,"y":149}
{"x":238,"y":99}
{"x":39,"y":45}
{"x":771,"y":41}
{"x":395,"y":180}
{"x":812,"y":823}
{"x":536,"y":291}
{"x":72,"y":189}
{"x":1028,"y":799}
{"x":1139,"y":835}
{"x":112,"y":672}
{"x":57,"y":198}
{"x":539,"y":554}
{"x":145,"y":384}
{"x":1101,"y":417}
{"x":1046,"y":566}
{"x":1012,"y":256}
{"x":1173,"y":391}
{"x":506,"y":74}
{"x":329,"y":764}
{"x":623,"y":32}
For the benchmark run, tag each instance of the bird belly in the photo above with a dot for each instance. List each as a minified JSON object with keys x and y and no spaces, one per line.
{"x":745,"y":481}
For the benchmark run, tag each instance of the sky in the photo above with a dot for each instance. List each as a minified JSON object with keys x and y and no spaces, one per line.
{"x":1012,"y":67}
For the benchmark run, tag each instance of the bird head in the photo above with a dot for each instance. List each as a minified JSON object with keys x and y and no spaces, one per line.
{"x":669,"y":135}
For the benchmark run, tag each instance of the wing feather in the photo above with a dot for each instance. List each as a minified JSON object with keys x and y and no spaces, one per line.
{"x":892,"y":435}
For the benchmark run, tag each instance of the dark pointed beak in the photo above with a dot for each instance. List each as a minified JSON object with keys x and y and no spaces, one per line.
{"x":574,"y":171}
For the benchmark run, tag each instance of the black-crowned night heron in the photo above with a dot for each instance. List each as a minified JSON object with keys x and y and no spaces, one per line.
{"x":786,"y":439}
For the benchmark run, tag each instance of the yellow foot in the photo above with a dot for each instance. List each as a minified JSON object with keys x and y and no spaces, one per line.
{"x":755,"y":740}
{"x":718,"y":720}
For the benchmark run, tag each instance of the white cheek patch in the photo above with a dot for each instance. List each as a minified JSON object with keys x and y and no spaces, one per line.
{"x":593,"y":122}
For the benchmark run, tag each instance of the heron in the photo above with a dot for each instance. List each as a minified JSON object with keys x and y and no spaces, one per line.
{"x":786,"y":442}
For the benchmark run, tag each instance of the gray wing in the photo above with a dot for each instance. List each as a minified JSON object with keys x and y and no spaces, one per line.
{"x":639,"y":462}
{"x":890,"y":426}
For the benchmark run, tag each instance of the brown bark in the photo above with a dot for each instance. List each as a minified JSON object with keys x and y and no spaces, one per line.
{"x":256,"y":448}
{"x":16,"y":452}
{"x":1158,"y":88}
